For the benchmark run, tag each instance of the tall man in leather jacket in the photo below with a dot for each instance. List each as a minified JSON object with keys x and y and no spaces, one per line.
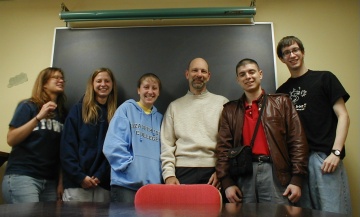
{"x":280,"y":151}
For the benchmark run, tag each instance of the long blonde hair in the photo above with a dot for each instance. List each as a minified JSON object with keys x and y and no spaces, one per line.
{"x":90,"y":107}
{"x":39,"y":95}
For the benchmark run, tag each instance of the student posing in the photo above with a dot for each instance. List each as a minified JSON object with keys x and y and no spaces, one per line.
{"x":132,"y":143}
{"x":32,"y":172}
{"x":280,"y":151}
{"x":320,"y":100}
{"x":86,"y":172}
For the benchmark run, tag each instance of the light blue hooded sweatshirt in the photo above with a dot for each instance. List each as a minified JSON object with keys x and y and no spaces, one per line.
{"x":132,"y":146}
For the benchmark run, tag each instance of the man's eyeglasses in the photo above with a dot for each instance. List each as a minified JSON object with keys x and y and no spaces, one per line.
{"x":287,"y":53}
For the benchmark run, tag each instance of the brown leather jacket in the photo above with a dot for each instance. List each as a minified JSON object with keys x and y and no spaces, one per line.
{"x":284,"y":133}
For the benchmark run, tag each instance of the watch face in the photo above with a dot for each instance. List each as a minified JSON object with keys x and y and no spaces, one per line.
{"x":337,"y":152}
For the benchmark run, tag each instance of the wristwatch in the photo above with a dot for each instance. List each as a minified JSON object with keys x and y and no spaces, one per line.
{"x":336,"y":152}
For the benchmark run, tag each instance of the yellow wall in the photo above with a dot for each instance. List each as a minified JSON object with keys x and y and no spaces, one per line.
{"x":329,"y":30}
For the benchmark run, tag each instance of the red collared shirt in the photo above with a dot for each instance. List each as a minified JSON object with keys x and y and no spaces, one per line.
{"x":251,"y":115}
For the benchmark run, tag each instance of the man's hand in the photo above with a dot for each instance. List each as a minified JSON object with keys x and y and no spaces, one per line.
{"x":214,"y":181}
{"x":172,"y":180}
{"x":330,"y":163}
{"x":233,"y":194}
{"x":293,"y":193}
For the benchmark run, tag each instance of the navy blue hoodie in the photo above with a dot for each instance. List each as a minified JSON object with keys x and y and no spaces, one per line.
{"x":81,"y":149}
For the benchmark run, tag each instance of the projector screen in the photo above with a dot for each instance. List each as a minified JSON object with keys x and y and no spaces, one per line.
{"x":166,"y":51}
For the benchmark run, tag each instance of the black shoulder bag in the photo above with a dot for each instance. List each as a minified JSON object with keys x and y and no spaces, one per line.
{"x":240,"y":158}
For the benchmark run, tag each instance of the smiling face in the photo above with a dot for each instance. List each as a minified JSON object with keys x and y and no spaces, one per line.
{"x":149,"y":91}
{"x":198,"y":75}
{"x":103,"y":86}
{"x":293,"y":57}
{"x":249,"y":77}
{"x":55,"y":84}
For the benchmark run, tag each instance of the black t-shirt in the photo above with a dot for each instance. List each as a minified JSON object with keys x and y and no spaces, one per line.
{"x":314,"y":95}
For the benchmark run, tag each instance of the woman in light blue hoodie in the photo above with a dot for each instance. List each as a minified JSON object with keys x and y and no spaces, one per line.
{"x":132,"y":143}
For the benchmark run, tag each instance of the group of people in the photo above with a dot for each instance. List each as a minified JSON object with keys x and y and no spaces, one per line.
{"x":98,"y":152}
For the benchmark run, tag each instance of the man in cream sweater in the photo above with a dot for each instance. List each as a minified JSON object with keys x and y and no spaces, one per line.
{"x":189,"y":131}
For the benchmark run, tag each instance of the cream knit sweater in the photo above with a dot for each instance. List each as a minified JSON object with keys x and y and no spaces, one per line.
{"x":189,"y":130}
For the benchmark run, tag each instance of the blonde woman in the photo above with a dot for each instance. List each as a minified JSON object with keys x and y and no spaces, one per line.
{"x":32,"y":171}
{"x":86,"y":172}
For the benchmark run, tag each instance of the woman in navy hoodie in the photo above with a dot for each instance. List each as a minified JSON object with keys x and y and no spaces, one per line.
{"x":132,"y":143}
{"x":86,"y":172}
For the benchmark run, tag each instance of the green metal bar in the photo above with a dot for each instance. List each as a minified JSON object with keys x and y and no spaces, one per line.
{"x":171,"y":13}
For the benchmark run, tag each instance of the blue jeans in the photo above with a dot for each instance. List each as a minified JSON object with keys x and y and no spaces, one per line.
{"x":121,"y":194}
{"x":26,"y":189}
{"x":328,"y":191}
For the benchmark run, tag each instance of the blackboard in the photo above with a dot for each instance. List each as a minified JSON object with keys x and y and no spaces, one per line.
{"x":166,"y":51}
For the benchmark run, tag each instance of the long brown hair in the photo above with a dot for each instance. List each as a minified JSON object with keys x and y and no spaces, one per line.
{"x":90,"y":107}
{"x":39,"y":95}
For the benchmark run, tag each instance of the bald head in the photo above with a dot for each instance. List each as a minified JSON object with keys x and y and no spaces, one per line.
{"x":198,"y":61}
{"x":198,"y":75}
